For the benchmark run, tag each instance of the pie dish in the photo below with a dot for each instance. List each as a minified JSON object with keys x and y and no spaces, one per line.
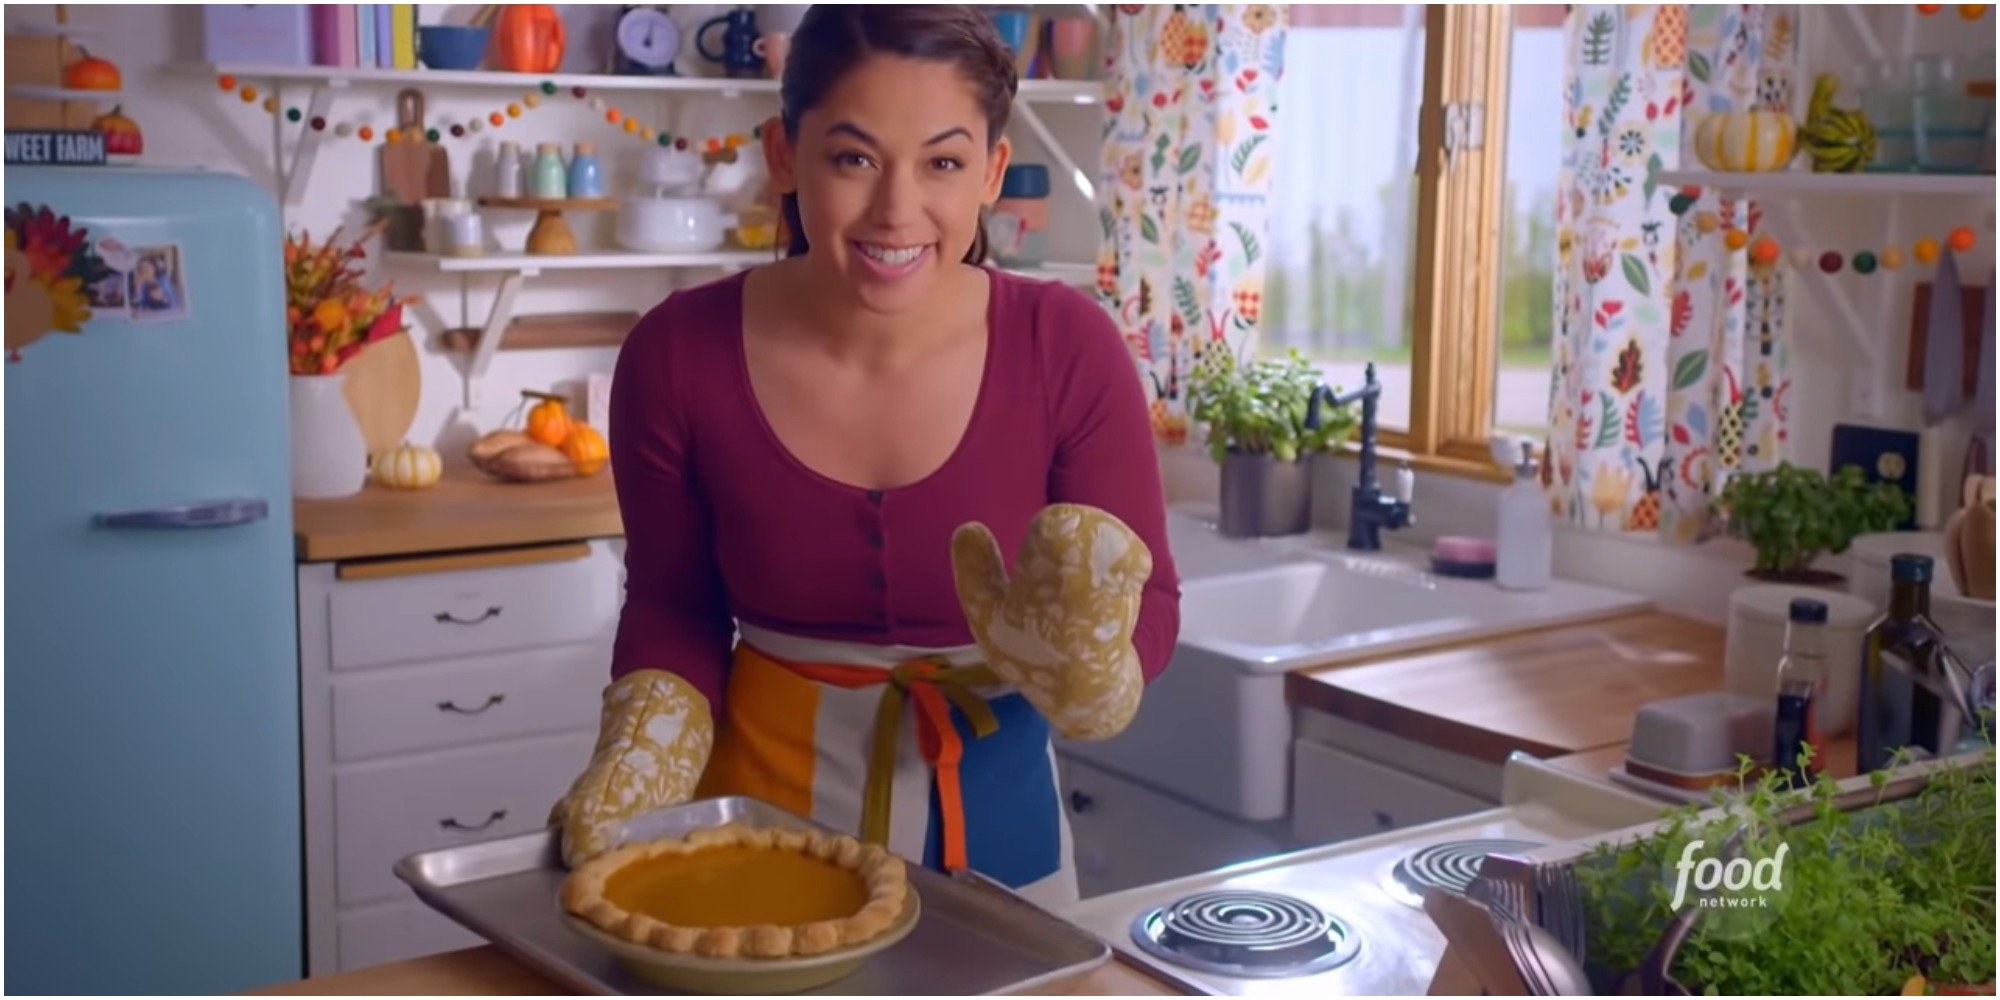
{"x":739,"y":892}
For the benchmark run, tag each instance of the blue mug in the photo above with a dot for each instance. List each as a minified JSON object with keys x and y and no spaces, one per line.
{"x":738,"y":56}
{"x":1013,"y":28}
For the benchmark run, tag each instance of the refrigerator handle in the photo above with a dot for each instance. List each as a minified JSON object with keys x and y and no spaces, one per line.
{"x":206,"y":514}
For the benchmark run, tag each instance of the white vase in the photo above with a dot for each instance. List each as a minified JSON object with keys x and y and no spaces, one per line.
{"x":329,"y":457}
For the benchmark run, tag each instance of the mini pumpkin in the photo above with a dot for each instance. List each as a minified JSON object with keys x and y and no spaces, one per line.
{"x":586,"y":448}
{"x":548,"y":420}
{"x":409,"y":467}
{"x":1749,"y":141}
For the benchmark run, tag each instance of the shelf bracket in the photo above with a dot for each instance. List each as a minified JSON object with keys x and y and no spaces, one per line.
{"x":293,"y":180}
{"x":1028,"y":115}
{"x":489,"y":338}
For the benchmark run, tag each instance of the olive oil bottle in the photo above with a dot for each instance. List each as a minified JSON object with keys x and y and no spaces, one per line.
{"x":1903,"y":646}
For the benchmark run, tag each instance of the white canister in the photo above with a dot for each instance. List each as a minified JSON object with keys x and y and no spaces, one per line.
{"x":1756,"y":642}
{"x":468,"y":234}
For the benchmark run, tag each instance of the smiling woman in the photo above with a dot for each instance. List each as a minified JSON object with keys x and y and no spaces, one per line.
{"x":829,"y":455}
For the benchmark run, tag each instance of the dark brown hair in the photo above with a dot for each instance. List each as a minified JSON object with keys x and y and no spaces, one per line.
{"x":833,"y":39}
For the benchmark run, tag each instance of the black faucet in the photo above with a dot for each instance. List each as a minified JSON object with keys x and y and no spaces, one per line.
{"x":1372,"y":511}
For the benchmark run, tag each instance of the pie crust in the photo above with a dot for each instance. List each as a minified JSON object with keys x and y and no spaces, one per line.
{"x":742,"y":892}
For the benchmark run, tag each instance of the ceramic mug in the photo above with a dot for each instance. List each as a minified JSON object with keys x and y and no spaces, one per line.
{"x":1073,"y":47}
{"x":1019,"y":29}
{"x":773,"y":47}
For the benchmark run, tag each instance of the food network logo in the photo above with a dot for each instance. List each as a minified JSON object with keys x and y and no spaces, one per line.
{"x":1736,"y":884}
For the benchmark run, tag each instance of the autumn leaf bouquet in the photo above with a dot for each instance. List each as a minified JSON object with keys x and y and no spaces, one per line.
{"x":330,"y":316}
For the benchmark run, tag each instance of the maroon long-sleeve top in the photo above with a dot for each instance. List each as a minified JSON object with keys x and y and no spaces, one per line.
{"x":722,"y":521}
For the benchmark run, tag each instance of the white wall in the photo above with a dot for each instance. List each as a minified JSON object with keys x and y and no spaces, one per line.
{"x":189,"y":122}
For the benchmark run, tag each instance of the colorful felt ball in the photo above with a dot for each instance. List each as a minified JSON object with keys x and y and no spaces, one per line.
{"x":1735,"y":239}
{"x":366,"y":133}
{"x":1707,"y":222}
{"x":293,"y":114}
{"x":393,"y":135}
{"x":1830,"y":262}
{"x":1864,"y":262}
{"x":457,"y":131}
{"x":1972,"y":11}
{"x":631,"y":124}
{"x":343,"y":130}
{"x":1926,"y":251}
{"x":665,"y":139}
{"x":248,"y":94}
{"x":1961,"y":238}
{"x":531,"y":99}
{"x":1929,"y":8}
{"x":475,"y":124}
{"x":226,"y":82}
{"x":271,"y":105}
{"x":597,"y":104}
{"x":613,"y":115}
{"x":432,"y":135}
{"x":681,"y":143}
{"x":318,"y":123}
{"x":1892,"y":258}
{"x":548,"y":87}
{"x":497,"y":119}
{"x":1802,"y":259}
{"x":648,"y":134}
{"x":1764,"y":250}
{"x":513,"y":111}
{"x":1679,"y":204}
{"x":576,"y":91}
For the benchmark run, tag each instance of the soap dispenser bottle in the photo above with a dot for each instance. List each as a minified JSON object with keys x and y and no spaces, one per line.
{"x":1526,"y":547}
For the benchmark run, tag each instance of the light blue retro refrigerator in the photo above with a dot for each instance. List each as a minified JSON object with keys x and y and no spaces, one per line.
{"x":152,"y":708}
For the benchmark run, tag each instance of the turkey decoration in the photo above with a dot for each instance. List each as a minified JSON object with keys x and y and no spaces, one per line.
{"x":49,"y":267}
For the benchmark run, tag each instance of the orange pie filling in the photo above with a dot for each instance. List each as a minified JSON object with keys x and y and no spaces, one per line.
{"x":736,"y":887}
{"x":735,"y":891}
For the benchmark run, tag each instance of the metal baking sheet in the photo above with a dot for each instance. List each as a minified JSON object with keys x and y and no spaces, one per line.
{"x":974,"y":937}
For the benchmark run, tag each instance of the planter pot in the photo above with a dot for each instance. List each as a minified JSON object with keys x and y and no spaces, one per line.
{"x":329,"y":457}
{"x":1262,"y":496}
{"x":1804,"y":576}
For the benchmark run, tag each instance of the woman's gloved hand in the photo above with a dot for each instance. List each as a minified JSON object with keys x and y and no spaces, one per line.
{"x":1061,"y":629}
{"x":653,"y":740}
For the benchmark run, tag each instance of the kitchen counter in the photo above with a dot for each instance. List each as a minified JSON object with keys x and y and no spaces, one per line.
{"x":1547,"y":693}
{"x":467,"y":509}
{"x":488,"y":970}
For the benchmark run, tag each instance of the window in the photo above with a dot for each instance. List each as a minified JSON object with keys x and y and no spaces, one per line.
{"x":1413,"y":215}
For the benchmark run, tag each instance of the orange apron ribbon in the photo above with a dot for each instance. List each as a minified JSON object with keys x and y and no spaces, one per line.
{"x":935,"y":687}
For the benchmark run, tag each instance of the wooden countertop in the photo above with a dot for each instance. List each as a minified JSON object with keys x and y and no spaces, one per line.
{"x":466,"y":510}
{"x":1547,"y":693}
{"x":488,"y":970}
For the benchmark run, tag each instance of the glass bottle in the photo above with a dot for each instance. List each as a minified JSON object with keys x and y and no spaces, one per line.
{"x":507,"y":170}
{"x":586,"y":180}
{"x":1902,"y":647}
{"x":1801,"y":671}
{"x":551,"y":176}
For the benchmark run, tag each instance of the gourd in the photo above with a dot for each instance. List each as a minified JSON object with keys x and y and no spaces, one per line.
{"x":121,"y":134}
{"x":409,"y":467}
{"x":548,"y":420}
{"x":1839,"y":140}
{"x":586,"y":448}
{"x":528,"y":38}
{"x":1753,"y":141}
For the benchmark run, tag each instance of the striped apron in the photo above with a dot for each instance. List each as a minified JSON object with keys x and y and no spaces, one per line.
{"x":919,"y":749}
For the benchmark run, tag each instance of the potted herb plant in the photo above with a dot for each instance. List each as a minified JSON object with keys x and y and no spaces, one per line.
{"x":1792,"y":515}
{"x":1257,"y":416}
{"x":1878,"y":886}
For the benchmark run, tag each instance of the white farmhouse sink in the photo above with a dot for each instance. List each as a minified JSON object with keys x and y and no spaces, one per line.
{"x":1215,"y":728}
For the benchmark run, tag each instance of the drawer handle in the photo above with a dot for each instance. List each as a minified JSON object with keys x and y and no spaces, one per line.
{"x":446,"y":616}
{"x":452,"y":823}
{"x":452,"y":706}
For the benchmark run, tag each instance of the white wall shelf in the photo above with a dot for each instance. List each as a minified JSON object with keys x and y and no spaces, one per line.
{"x":1038,"y":91}
{"x":535,"y":263}
{"x":42,"y":93}
{"x":514,"y":270}
{"x":1800,"y":182}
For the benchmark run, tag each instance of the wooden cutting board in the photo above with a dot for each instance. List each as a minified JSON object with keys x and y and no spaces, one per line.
{"x":414,"y":168}
{"x":384,"y":383}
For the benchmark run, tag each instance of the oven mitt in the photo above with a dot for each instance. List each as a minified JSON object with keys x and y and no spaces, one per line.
{"x":653,"y":740}
{"x":1060,"y":631}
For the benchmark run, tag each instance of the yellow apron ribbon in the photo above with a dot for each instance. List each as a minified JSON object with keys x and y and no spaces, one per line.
{"x":935,"y":687}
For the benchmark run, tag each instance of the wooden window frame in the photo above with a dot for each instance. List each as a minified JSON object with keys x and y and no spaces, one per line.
{"x":1455,"y":311}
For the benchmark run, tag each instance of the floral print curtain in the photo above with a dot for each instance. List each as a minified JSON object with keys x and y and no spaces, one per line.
{"x":1184,"y":183}
{"x":1671,"y":357}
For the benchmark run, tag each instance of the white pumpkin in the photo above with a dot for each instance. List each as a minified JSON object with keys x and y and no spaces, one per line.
{"x":409,"y":467}
{"x":1746,"y":141}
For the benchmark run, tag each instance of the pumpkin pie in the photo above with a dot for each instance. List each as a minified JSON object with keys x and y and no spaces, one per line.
{"x":740,"y":892}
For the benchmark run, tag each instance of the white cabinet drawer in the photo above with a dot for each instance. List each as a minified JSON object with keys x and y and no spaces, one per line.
{"x":383,"y":934}
{"x":471,"y":700}
{"x":436,"y":615}
{"x":383,"y":813}
{"x":1337,"y":795}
